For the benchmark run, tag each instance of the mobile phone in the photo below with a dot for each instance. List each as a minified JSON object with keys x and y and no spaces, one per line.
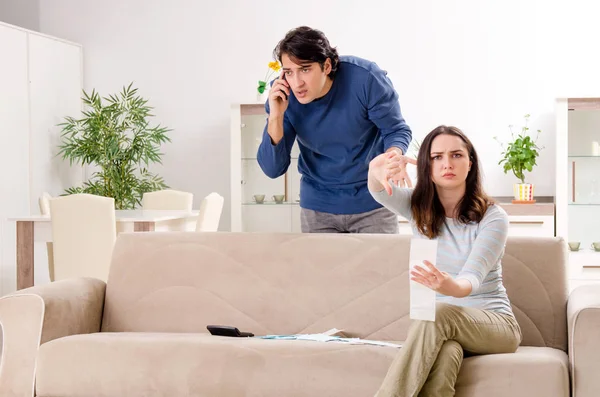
{"x":282,"y":91}
{"x":225,"y":330}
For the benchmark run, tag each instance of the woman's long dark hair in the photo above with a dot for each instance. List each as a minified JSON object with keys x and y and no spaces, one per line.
{"x":426,"y":208}
{"x":309,"y":45}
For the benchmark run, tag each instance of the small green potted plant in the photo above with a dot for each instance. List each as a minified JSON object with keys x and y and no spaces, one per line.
{"x":520,"y":156}
{"x":115,"y":137}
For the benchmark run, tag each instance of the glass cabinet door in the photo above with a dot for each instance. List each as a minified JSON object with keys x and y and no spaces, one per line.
{"x":584,"y":187}
{"x":267,"y":204}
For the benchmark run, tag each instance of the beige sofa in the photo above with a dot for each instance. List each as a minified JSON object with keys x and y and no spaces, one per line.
{"x":144,"y":332}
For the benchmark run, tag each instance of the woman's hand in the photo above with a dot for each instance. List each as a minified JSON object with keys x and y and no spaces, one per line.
{"x":431,"y":277}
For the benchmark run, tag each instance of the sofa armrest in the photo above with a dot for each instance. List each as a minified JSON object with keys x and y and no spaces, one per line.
{"x":583,"y":314}
{"x":33,"y":316}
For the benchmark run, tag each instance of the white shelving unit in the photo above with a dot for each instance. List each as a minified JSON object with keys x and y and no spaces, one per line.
{"x":248,"y":179}
{"x":578,"y":184}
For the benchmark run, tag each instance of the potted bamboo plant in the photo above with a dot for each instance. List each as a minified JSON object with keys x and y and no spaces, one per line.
{"x":114,"y":136}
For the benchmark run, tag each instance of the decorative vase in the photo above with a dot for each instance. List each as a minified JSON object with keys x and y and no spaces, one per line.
{"x":262,"y":98}
{"x":523,"y":193}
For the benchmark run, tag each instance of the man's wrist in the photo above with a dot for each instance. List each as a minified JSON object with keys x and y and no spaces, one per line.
{"x":275,"y":129}
{"x":274,"y":118}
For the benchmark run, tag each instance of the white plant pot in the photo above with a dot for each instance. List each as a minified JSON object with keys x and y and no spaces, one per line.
{"x":262,"y":98}
{"x":523,"y":191}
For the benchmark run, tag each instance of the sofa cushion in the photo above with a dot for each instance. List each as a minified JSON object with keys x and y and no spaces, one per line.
{"x":155,"y":364}
{"x":535,"y":276}
{"x":531,"y":371}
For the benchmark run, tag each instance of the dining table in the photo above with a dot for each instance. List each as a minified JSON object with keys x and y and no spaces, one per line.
{"x":38,"y":228}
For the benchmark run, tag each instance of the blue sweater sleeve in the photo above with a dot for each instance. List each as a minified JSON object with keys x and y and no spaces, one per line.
{"x":274,"y":160}
{"x":384,"y":110}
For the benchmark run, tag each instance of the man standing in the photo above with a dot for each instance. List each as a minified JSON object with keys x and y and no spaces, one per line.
{"x":344,"y":111}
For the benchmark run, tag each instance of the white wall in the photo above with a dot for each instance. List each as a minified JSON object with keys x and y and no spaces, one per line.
{"x":23,"y":13}
{"x":477,"y":64}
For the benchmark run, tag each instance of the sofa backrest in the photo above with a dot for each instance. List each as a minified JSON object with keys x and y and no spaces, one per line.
{"x":535,"y":277}
{"x":277,"y":283}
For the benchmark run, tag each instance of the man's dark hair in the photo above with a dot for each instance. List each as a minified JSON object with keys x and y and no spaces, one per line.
{"x":305,"y":44}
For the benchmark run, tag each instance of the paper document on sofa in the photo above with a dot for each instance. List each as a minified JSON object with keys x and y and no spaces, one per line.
{"x":329,"y":338}
{"x":422,"y":299}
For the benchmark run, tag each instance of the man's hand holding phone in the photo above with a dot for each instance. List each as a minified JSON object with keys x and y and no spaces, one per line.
{"x":278,"y":103}
{"x":278,"y":96}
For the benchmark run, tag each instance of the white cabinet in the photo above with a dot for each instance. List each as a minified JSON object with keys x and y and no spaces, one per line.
{"x":55,"y":84}
{"x":584,"y":268}
{"x":248,"y":179}
{"x":519,"y":225}
{"x":578,"y":184}
{"x":41,"y":82}
{"x":577,"y":165}
{"x":531,"y":225}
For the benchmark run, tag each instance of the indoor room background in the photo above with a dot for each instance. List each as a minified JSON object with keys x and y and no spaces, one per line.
{"x":479,"y":65}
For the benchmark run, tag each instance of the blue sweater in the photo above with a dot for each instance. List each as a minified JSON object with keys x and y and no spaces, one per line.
{"x":338,"y":134}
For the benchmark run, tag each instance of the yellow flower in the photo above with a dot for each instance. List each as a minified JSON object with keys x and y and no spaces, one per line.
{"x":275,"y":66}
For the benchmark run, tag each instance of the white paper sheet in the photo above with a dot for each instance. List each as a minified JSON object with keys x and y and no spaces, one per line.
{"x":422,"y":299}
{"x":329,"y":338}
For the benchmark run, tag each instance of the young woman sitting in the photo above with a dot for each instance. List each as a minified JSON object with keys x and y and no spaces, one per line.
{"x":473,"y":313}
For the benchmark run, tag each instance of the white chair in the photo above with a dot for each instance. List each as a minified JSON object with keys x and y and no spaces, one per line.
{"x":168,"y":200}
{"x":84,"y":233}
{"x":210,"y":213}
{"x":44,"y":202}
